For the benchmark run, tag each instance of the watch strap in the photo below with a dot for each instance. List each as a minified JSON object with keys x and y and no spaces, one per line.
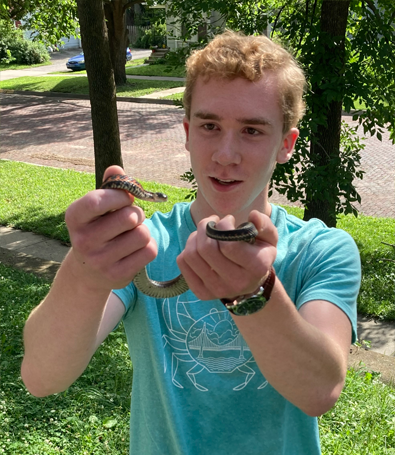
{"x":245,"y":305}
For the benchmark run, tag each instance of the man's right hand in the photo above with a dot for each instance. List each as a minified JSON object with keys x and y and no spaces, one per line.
{"x":109,"y":242}
{"x":109,"y":246}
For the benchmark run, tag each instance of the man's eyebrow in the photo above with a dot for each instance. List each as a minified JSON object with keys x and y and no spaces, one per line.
{"x":245,"y":121}
{"x":255,"y":121}
{"x":207,"y":115}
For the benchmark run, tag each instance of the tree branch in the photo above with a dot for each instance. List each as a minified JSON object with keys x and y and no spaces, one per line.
{"x":277,"y":18}
{"x":302,"y":32}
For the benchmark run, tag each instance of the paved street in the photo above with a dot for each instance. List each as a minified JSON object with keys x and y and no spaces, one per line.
{"x":57,"y":132}
{"x":58,"y":63}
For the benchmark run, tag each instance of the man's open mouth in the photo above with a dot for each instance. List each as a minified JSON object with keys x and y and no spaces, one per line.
{"x":225,"y":182}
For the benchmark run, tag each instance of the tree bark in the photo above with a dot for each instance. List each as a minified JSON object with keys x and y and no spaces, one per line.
{"x":118,"y":38}
{"x":118,"y":35}
{"x":102,"y":92}
{"x":325,"y":142}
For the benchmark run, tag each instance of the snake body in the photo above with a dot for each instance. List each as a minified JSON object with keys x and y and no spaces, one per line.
{"x":165,"y":289}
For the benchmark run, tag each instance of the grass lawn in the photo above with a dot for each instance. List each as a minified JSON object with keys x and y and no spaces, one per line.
{"x":175,"y":97}
{"x":92,"y":416}
{"x":40,"y":208}
{"x":157,"y":70}
{"x":79,"y":85}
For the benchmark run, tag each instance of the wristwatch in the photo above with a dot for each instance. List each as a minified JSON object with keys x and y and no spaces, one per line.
{"x":243,"y":306}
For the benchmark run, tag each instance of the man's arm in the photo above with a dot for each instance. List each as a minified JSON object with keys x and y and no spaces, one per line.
{"x":303,"y":354}
{"x":110,"y":245}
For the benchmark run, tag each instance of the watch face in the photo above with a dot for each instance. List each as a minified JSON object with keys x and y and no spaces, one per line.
{"x":248,"y":306}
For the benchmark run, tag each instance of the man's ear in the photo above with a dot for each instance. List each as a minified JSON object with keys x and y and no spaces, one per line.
{"x":185,"y":123}
{"x":285,"y":152}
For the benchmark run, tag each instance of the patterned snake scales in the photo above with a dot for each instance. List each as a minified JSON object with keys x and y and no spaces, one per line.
{"x":165,"y":289}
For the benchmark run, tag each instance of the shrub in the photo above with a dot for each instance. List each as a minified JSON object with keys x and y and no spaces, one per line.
{"x":28,"y":52}
{"x":5,"y":54}
{"x":15,"y":48}
{"x":155,"y":36}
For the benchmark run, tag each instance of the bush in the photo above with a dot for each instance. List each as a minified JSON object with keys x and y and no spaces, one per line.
{"x":7,"y":33}
{"x":28,"y":52}
{"x":5,"y":54}
{"x":15,"y":48}
{"x":155,"y":36}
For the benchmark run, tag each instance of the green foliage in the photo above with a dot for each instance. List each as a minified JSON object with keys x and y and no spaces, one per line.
{"x":40,"y":206}
{"x":15,"y":48}
{"x":28,"y":52}
{"x":301,"y":180}
{"x":365,"y":76}
{"x":154,"y":36}
{"x":79,"y":85}
{"x":51,"y":21}
{"x":189,"y":177}
{"x":7,"y":33}
{"x":362,"y":422}
{"x":92,"y":416}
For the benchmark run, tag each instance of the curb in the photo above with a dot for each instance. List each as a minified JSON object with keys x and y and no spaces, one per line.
{"x":72,"y":96}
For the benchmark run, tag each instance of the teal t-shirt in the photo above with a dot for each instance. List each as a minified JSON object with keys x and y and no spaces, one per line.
{"x":196,"y":386}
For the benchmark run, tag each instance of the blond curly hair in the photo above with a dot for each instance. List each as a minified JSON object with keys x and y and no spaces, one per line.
{"x":231,"y":55}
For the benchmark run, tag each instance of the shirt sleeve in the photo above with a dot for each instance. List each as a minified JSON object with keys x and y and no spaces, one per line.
{"x":127,"y":296}
{"x":331,"y":271}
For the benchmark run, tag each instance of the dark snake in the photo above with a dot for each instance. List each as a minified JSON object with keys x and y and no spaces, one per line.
{"x":165,"y":289}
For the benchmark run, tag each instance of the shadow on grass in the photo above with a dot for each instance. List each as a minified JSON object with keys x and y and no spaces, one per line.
{"x":32,"y":219}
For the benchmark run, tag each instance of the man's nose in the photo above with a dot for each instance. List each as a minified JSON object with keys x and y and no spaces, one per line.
{"x":227,"y":150}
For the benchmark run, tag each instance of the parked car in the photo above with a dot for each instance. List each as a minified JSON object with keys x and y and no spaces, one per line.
{"x":77,"y":63}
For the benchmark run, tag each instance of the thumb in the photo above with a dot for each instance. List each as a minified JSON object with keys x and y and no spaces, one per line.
{"x":112,"y":170}
{"x":267,"y":231}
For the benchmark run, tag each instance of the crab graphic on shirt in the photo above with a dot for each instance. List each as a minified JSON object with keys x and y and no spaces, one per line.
{"x":212,"y":343}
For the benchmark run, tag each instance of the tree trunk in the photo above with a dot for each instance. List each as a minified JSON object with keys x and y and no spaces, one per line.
{"x":102,"y":93}
{"x":325,"y":142}
{"x":118,"y":37}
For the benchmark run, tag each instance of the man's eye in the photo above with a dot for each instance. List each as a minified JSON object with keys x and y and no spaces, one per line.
{"x":209,"y":126}
{"x":252,"y":131}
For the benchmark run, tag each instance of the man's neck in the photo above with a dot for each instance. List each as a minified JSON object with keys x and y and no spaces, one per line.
{"x":200,"y":210}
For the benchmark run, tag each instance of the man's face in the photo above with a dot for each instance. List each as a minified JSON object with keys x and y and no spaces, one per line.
{"x":234,"y":136}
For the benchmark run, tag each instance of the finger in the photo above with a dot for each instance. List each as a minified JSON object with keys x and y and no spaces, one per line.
{"x":195,"y":283}
{"x":95,"y":204}
{"x":136,"y":249}
{"x":255,"y":259}
{"x":112,"y":170}
{"x":105,"y":228}
{"x":267,"y":231}
{"x":194,"y":266}
{"x":211,"y":251}
{"x":128,"y":266}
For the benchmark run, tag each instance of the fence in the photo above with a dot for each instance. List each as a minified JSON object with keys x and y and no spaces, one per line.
{"x":134,"y":31}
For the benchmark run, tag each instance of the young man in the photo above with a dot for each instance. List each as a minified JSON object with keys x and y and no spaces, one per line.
{"x":207,"y":380}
